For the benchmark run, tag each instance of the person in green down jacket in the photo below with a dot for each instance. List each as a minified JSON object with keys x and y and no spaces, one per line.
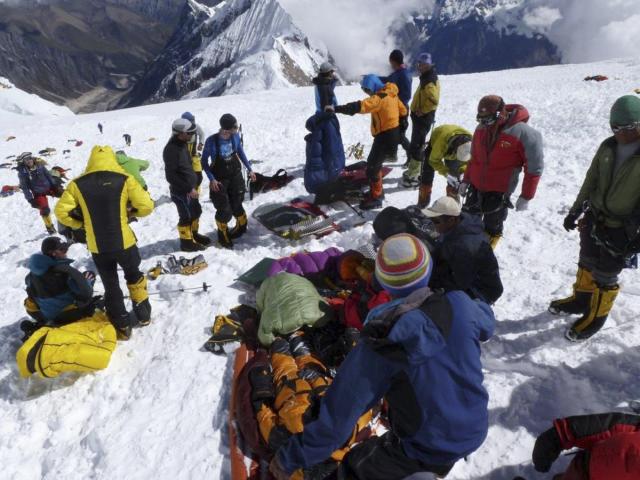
{"x":609,"y":204}
{"x":133,"y":166}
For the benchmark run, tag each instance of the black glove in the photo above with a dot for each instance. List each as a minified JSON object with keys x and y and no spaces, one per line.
{"x":404,"y":123}
{"x":546,"y":450}
{"x":33,"y":203}
{"x":348,"y":109}
{"x":571,"y":221}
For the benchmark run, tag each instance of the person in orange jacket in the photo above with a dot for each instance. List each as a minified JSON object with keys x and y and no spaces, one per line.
{"x":387,"y":113}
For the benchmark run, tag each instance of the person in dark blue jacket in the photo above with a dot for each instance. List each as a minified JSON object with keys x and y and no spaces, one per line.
{"x":401,"y":76}
{"x":57,"y":293}
{"x":325,"y":156}
{"x":325,"y":83}
{"x":463,"y":257}
{"x":226,"y":183}
{"x":421,"y":353}
{"x":36,"y":184}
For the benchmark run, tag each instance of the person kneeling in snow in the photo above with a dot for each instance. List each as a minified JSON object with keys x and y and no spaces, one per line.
{"x":225,"y":178}
{"x":421,"y":353}
{"x":57,"y":293}
{"x":610,"y":444}
{"x":387,"y":112}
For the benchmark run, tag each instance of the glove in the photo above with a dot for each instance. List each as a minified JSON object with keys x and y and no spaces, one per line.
{"x":463,"y":189}
{"x":89,"y":276}
{"x":33,"y":203}
{"x":348,"y":109}
{"x":570,"y":221}
{"x":404,"y":122}
{"x":522,"y":204}
{"x":546,"y":450}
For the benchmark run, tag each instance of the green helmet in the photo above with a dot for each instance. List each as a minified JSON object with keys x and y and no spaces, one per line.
{"x":625,"y":111}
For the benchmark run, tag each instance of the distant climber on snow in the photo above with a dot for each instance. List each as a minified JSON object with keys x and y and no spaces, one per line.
{"x":401,"y":76}
{"x":36,"y":183}
{"x":226,"y":183}
{"x":387,"y":112}
{"x":325,"y":83}
{"x":127,"y":139}
{"x":100,"y":127}
{"x":609,"y":204}
{"x":503,"y":145}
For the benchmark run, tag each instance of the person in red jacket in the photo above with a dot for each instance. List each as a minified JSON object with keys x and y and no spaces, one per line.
{"x":610,"y":444}
{"x":502,"y":146}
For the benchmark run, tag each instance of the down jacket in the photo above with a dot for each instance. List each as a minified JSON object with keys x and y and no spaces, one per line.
{"x":286,"y":303}
{"x":325,"y":151}
{"x":306,"y":263}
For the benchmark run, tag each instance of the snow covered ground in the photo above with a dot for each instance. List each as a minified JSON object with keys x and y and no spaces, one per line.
{"x":159,"y":410}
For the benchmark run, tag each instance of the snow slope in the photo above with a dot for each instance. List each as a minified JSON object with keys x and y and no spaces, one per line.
{"x":16,"y":104}
{"x":159,"y":410}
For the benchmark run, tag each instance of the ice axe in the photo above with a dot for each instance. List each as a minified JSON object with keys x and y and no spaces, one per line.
{"x":204,"y":288}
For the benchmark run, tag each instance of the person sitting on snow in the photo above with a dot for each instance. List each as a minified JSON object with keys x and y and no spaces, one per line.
{"x":133,"y":166}
{"x":610,"y":444}
{"x":57,"y":293}
{"x":421,"y":353}
{"x":225,"y":178}
{"x":463,"y":258}
{"x":387,"y":111}
{"x":36,"y":184}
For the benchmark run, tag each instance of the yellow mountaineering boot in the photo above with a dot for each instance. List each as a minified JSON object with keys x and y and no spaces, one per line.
{"x":223,"y":235}
{"x":48,"y":223}
{"x":187,"y":244}
{"x":602,"y":300}
{"x":140,"y":300}
{"x":240,"y":228}
{"x":201,"y":239}
{"x":578,"y":302}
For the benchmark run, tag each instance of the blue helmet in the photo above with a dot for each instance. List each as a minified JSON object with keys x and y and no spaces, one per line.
{"x":189,"y":116}
{"x":371,"y":82}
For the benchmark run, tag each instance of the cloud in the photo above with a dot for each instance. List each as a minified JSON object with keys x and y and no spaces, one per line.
{"x":356,"y":32}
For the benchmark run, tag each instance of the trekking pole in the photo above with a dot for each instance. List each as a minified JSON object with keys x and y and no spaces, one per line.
{"x":358,"y":212}
{"x":204,"y":287}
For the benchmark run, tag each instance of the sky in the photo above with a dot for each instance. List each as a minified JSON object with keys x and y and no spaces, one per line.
{"x":356,"y":32}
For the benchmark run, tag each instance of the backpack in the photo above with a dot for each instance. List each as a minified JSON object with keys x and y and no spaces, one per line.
{"x":266,"y":183}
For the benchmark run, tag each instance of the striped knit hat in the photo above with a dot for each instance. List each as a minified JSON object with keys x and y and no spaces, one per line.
{"x":403,"y":265}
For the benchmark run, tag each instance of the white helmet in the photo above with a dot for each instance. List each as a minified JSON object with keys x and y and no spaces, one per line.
{"x":463,"y":152}
{"x":182,"y":125}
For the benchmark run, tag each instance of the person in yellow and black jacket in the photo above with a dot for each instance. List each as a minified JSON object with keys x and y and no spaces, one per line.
{"x":100,"y":201}
{"x":183,"y":185}
{"x":387,"y":112}
{"x":423,"y":114}
{"x":195,"y":146}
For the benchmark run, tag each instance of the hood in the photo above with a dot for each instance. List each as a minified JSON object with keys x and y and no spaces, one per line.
{"x":391,"y":89}
{"x":517,"y":114}
{"x":121,"y":158}
{"x":102,"y":158}
{"x":470,"y":225}
{"x":399,"y":323}
{"x":313,"y":121}
{"x":372,"y":82}
{"x":40,"y":263}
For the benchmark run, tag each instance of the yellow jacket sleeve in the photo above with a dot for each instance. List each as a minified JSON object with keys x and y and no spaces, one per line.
{"x":66,"y":204}
{"x":438,"y":165}
{"x":371,"y":104}
{"x":403,"y":110}
{"x":139,"y":198}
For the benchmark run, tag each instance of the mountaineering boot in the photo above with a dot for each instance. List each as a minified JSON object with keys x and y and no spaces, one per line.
{"x":578,"y":302}
{"x":240,"y":227}
{"x":48,"y":223}
{"x":374,"y":197}
{"x":424,"y":196}
{"x":201,"y":239}
{"x":140,"y":300}
{"x":602,"y":300}
{"x":122,"y":326}
{"x":223,"y":235}
{"x":187,"y":244}
{"x":411,"y":176}
{"x":494,"y":240}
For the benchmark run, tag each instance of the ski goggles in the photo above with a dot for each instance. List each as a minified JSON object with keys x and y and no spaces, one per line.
{"x":487,"y":120}
{"x":622,"y":128}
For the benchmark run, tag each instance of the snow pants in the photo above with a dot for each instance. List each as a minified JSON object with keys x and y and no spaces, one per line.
{"x":603,"y":265}
{"x":228,"y":200}
{"x":385,"y":145}
{"x":107,"y":266}
{"x":382,"y":458}
{"x":493,"y":207}
{"x":189,"y":209}
{"x":42,"y":203}
{"x":419,"y":131}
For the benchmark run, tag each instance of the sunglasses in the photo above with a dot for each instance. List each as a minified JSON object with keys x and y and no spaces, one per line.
{"x":622,"y":128}
{"x":229,"y":131}
{"x":487,"y":119}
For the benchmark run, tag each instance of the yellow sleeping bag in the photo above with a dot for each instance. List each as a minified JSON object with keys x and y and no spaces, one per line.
{"x":82,"y":346}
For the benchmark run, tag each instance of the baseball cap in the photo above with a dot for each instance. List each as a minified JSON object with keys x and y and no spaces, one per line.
{"x":444,"y":206}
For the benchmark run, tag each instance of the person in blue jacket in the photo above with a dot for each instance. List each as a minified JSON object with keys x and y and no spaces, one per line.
{"x":36,"y":184}
{"x":401,"y":76}
{"x":57,"y":293}
{"x":325,"y":157}
{"x":226,"y":183}
{"x":325,"y":83}
{"x":421,"y":353}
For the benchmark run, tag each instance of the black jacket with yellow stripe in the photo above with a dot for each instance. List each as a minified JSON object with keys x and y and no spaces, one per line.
{"x":103,"y":194}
